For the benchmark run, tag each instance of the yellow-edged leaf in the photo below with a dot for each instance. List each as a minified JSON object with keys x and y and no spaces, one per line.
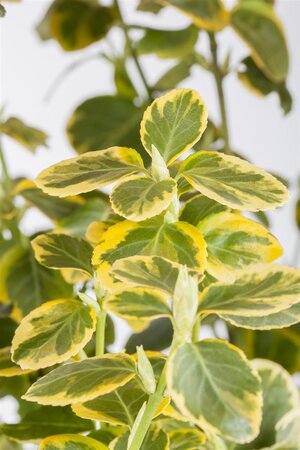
{"x":68,"y":384}
{"x":138,"y":198}
{"x":60,"y":251}
{"x":186,"y":439}
{"x":148,"y":238}
{"x":7,"y":367}
{"x":198,"y":208}
{"x":257,"y":291}
{"x":137,"y":304}
{"x":152,"y":272}
{"x":27,"y":136}
{"x":233,"y":182}
{"x":71,"y":441}
{"x":53,"y":333}
{"x":234,"y":242}
{"x":209,"y":15}
{"x":89,"y":171}
{"x":262,"y":31}
{"x":213,"y":372}
{"x":173,"y":123}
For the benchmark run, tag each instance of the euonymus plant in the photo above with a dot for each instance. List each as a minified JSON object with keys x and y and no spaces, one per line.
{"x":154,"y":257}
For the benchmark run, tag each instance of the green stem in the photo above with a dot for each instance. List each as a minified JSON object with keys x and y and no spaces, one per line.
{"x":151,"y":408}
{"x":5,"y":175}
{"x":132,"y":51}
{"x":196,"y":328}
{"x":219,"y":84}
{"x":100,"y":333}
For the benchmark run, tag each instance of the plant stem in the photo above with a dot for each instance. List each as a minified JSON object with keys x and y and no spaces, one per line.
{"x":219,"y":83}
{"x":132,"y":51}
{"x":196,"y":328}
{"x":152,"y":405}
{"x":100,"y":333}
{"x":5,"y":175}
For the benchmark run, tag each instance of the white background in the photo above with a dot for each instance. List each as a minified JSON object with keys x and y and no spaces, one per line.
{"x":258,"y":128}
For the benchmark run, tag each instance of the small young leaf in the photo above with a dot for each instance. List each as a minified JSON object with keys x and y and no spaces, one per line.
{"x":137,"y":303}
{"x":138,"y":198}
{"x":148,"y":238}
{"x":27,"y":136}
{"x":258,"y":291}
{"x":173,"y":123}
{"x":234,"y":242}
{"x":44,"y":421}
{"x":145,"y":370}
{"x":67,"y":384}
{"x":168,"y":43}
{"x":89,"y":171}
{"x":152,"y":272}
{"x":216,"y":373}
{"x":262,"y":31}
{"x":71,"y":441}
{"x":53,"y":333}
{"x":233,"y":182}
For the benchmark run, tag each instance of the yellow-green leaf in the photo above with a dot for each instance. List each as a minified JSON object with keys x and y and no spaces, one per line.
{"x":71,"y":441}
{"x":60,"y":251}
{"x":153,"y":272}
{"x":233,"y":182}
{"x":138,"y":198}
{"x":173,"y":123}
{"x":7,"y":367}
{"x":281,"y":319}
{"x":27,"y":136}
{"x":75,"y":24}
{"x":199,"y":208}
{"x":89,"y":171}
{"x":53,"y":333}
{"x":280,"y":396}
{"x":216,"y":373}
{"x":45,"y":421}
{"x":168,"y":43}
{"x":186,"y":439}
{"x":209,"y":15}
{"x":234,"y":242}
{"x":148,"y":238}
{"x":67,"y":384}
{"x":137,"y":303}
{"x":119,"y":407}
{"x":262,"y":31}
{"x":258,"y":291}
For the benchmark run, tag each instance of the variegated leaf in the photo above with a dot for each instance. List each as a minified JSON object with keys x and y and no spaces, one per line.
{"x":119,"y":407}
{"x":27,"y":136}
{"x":45,"y":421}
{"x":53,"y":333}
{"x":89,"y":171}
{"x":71,"y":441}
{"x":60,"y":251}
{"x":186,"y":439}
{"x":262,"y":31}
{"x":138,"y":198}
{"x":7,"y":367}
{"x":233,"y":182}
{"x":148,"y":238}
{"x":137,"y":304}
{"x":173,"y":123}
{"x":199,"y":208}
{"x":216,"y":373}
{"x":209,"y":15}
{"x":280,"y":396}
{"x":281,"y":319}
{"x":153,"y":272}
{"x":234,"y":242}
{"x":258,"y":291}
{"x":67,"y":384}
